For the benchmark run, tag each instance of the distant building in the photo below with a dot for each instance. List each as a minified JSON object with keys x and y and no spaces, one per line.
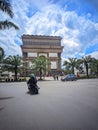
{"x":48,"y":46}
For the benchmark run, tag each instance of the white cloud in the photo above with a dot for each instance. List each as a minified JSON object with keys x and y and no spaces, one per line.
{"x":94,"y":54}
{"x":10,"y":39}
{"x":7,"y":42}
{"x":77,"y":32}
{"x":38,"y":4}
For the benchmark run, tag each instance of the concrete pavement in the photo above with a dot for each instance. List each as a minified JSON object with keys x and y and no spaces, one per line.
{"x":71,"y":105}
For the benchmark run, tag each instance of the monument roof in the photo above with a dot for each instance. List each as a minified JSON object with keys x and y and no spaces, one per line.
{"x":41,"y":36}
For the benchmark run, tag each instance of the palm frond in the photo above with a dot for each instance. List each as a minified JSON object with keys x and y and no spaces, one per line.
{"x":7,"y":24}
{"x":6,"y":7}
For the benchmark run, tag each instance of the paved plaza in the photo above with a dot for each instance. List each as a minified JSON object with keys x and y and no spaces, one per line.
{"x":71,"y":105}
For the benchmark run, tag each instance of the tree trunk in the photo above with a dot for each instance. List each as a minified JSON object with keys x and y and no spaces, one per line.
{"x":72,"y":69}
{"x":16,"y":74}
{"x":40,"y":73}
{"x":87,"y":70}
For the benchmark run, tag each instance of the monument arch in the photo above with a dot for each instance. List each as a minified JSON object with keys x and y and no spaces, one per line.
{"x":48,"y":46}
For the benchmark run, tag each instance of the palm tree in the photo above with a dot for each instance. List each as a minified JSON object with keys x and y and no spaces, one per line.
{"x":13,"y":64}
{"x":70,"y":64}
{"x":79,"y":65}
{"x":1,"y":59}
{"x":94,"y":66}
{"x":40,"y":65}
{"x":1,"y":54}
{"x":87,"y":60}
{"x":6,"y":7}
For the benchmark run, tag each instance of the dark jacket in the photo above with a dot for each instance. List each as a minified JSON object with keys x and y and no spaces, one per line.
{"x":32,"y":81}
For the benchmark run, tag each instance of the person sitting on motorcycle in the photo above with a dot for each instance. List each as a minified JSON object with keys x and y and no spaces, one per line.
{"x":32,"y":82}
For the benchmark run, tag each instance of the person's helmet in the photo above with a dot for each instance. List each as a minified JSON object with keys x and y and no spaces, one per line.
{"x":32,"y":76}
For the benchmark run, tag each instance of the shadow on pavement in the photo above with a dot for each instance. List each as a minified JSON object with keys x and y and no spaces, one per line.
{"x":31,"y":93}
{"x":5,"y":98}
{"x":1,"y":108}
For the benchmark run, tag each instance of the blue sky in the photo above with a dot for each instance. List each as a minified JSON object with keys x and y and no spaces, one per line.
{"x":76,"y":21}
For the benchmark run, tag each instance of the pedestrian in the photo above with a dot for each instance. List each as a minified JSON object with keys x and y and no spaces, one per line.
{"x":54,"y":77}
{"x":57,"y":77}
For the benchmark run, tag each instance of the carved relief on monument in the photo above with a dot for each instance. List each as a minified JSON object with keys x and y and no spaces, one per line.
{"x":53,"y":55}
{"x":53,"y":65}
{"x":30,"y":54}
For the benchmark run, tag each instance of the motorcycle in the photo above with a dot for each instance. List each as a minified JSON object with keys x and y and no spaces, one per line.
{"x":33,"y":89}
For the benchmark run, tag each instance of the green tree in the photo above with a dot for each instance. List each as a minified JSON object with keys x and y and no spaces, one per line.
{"x":6,"y":7}
{"x":40,"y":65}
{"x":1,"y":54}
{"x":1,"y":59}
{"x":13,"y":64}
{"x":79,"y":65}
{"x":70,"y":64}
{"x":94,"y":66}
{"x":87,"y":60}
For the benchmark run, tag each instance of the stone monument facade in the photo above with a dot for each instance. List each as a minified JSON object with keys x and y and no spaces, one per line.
{"x":38,"y":45}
